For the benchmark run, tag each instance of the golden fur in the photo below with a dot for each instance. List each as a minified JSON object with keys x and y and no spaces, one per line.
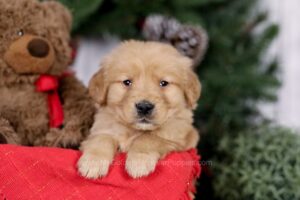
{"x":117,"y":125}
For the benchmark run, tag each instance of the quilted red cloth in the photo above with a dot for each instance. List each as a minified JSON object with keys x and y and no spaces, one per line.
{"x":50,"y":173}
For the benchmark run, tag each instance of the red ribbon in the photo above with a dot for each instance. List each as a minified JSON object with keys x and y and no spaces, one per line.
{"x":49,"y":84}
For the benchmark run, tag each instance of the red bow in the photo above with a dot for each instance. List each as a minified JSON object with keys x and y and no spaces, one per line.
{"x":49,"y":84}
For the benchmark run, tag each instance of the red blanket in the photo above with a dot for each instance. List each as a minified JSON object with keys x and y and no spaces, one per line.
{"x":50,"y":173}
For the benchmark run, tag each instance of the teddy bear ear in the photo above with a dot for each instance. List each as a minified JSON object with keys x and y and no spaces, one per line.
{"x":2,"y":6}
{"x":61,"y":11}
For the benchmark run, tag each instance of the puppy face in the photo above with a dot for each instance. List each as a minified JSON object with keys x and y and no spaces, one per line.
{"x":145,"y":84}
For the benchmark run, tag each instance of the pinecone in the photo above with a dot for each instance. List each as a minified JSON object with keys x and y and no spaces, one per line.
{"x":160,"y":28}
{"x":191,"y":41}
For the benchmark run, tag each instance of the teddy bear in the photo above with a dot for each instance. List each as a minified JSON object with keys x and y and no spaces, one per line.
{"x":40,"y":103}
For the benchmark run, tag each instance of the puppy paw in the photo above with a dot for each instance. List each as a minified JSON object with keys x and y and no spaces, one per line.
{"x":93,"y":166}
{"x":141,"y":164}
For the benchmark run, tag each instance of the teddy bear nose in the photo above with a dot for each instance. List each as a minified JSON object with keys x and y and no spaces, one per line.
{"x":38,"y":48}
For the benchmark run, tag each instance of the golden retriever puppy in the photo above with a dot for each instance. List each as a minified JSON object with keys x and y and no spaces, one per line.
{"x":146,"y":92}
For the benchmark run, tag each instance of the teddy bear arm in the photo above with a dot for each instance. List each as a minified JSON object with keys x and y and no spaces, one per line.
{"x":78,"y":115}
{"x":78,"y":107}
{"x":7,"y":133}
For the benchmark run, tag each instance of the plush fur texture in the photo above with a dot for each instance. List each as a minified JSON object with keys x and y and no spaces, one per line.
{"x":24,"y":116}
{"x":118,"y":126}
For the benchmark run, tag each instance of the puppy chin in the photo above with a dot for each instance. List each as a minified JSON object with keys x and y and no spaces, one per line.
{"x":144,"y":126}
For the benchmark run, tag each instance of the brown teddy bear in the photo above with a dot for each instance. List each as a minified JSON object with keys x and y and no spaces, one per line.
{"x":40,"y":104}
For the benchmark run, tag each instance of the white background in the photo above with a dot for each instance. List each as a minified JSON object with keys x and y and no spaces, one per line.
{"x":287,"y":46}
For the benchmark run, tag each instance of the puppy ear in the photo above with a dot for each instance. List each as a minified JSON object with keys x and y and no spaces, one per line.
{"x":98,"y":87}
{"x":192,"y":89}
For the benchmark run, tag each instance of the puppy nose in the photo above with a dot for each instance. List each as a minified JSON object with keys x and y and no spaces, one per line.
{"x":38,"y":48}
{"x":144,"y":108}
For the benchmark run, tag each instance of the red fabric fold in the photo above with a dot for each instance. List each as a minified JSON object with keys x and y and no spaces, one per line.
{"x":50,"y":173}
{"x":49,"y":84}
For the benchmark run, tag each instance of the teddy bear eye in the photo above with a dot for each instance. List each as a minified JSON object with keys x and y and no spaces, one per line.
{"x":20,"y":32}
{"x":164,"y":83}
{"x":127,"y":83}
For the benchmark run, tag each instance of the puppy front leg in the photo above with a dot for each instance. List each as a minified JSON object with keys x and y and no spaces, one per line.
{"x":144,"y":154}
{"x":98,"y":154}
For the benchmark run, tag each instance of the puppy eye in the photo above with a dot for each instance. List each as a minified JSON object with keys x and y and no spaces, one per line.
{"x":164,"y":83}
{"x":127,"y":82}
{"x":20,"y":32}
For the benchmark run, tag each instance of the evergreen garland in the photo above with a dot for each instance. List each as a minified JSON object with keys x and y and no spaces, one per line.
{"x":261,"y":164}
